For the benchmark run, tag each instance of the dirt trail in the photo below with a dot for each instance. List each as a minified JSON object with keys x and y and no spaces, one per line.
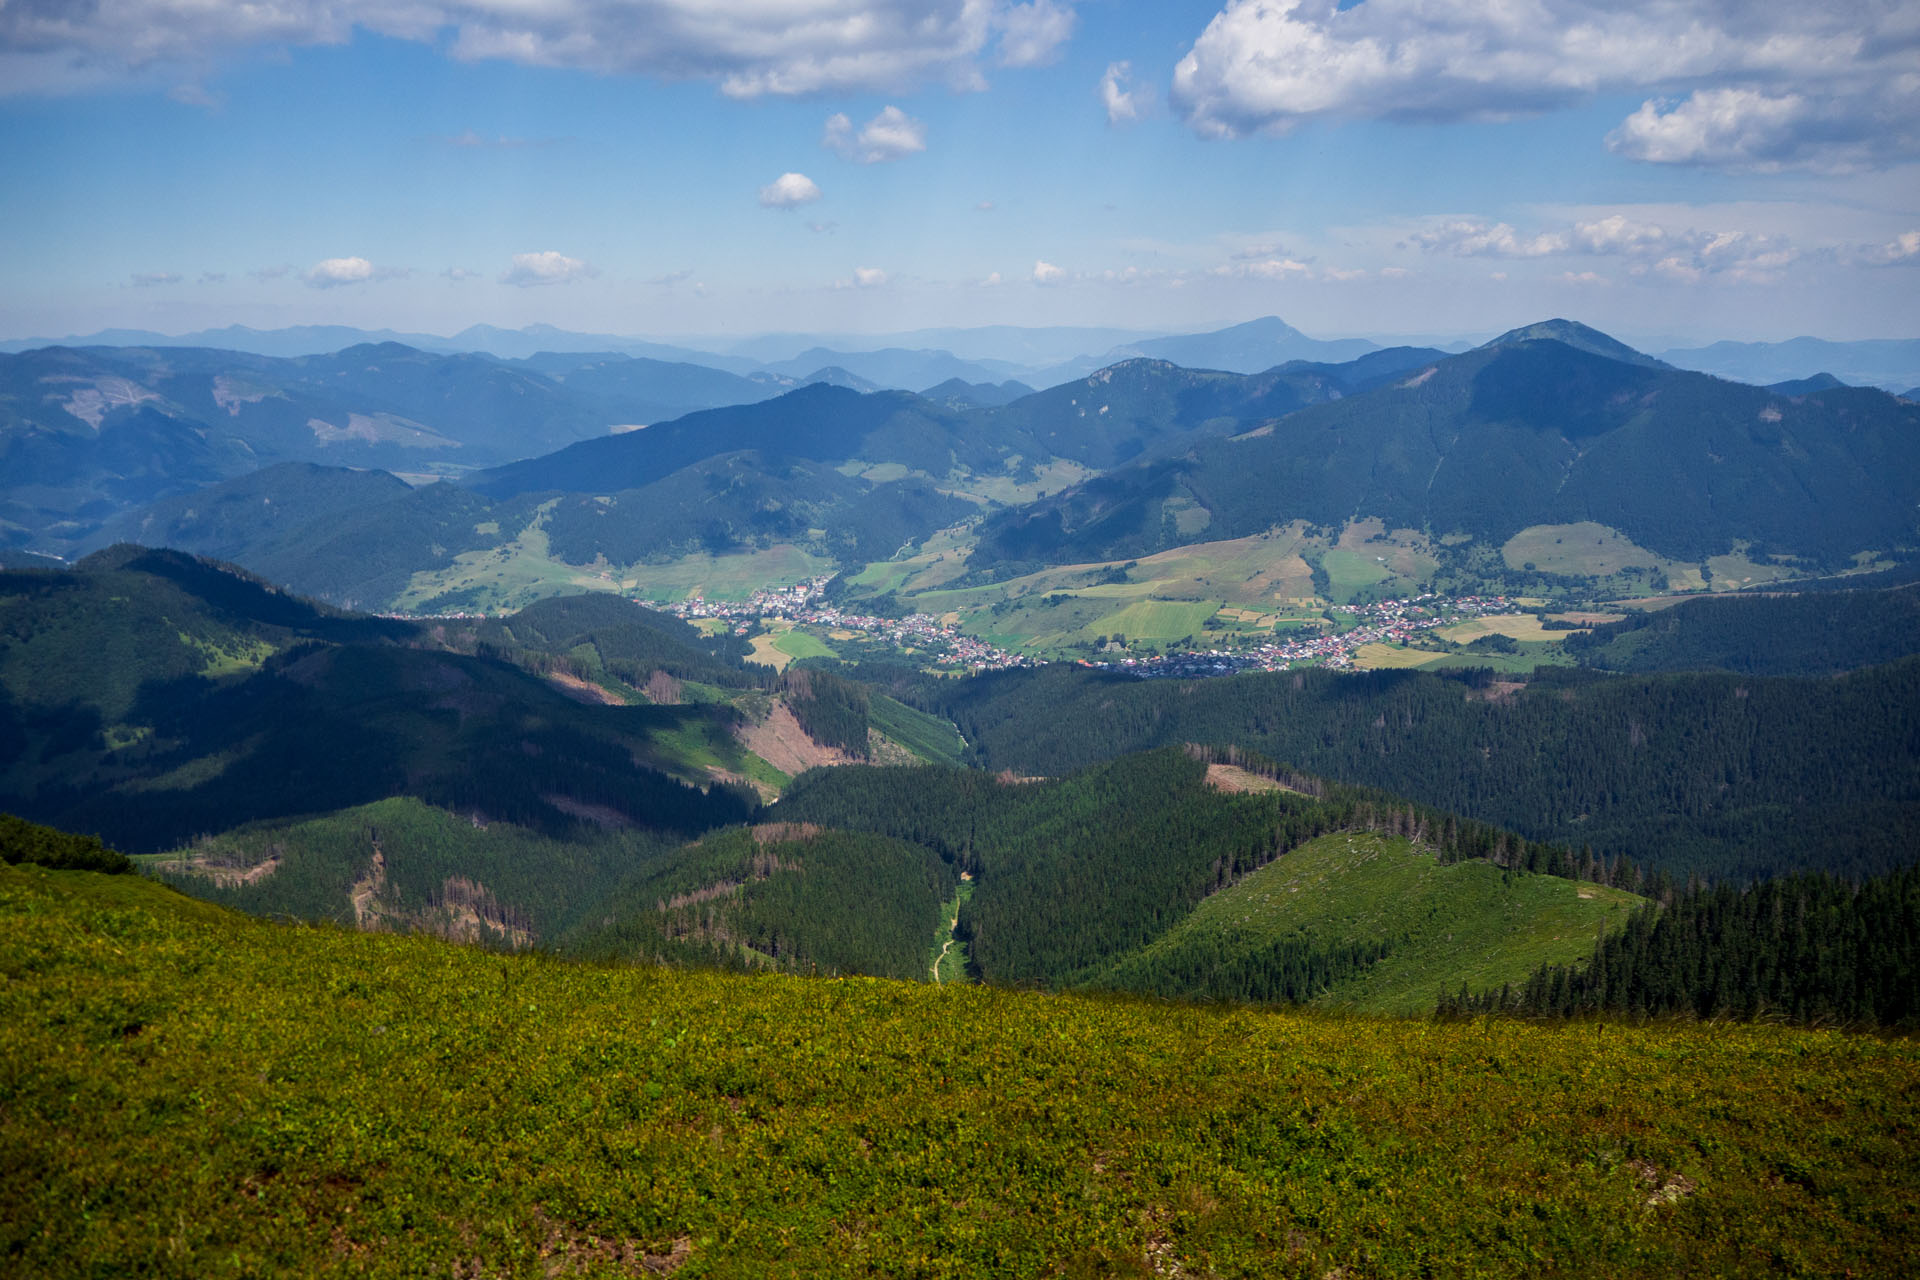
{"x":945,"y":947}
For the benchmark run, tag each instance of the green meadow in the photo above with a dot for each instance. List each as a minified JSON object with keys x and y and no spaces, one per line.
{"x":184,"y":1092}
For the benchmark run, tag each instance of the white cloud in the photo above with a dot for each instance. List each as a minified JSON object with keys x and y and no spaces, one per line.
{"x":458,"y":274}
{"x":1045,"y":272}
{"x":548,"y":267}
{"x":265,"y":274}
{"x":1902,"y":250}
{"x":330,"y":273}
{"x":1123,"y":105}
{"x":1685,"y":253}
{"x":993,"y":279}
{"x":1031,"y":34}
{"x":1470,"y":239}
{"x":747,"y":47}
{"x":869,"y":277}
{"x":1266,"y":269}
{"x":888,"y":136}
{"x":1582,"y":277}
{"x":153,"y":279}
{"x":1735,"y":83}
{"x":213,"y":277}
{"x":985,"y":206}
{"x":789,"y":191}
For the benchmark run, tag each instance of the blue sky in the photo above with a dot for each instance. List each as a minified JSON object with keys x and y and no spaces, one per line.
{"x":1693,"y":171}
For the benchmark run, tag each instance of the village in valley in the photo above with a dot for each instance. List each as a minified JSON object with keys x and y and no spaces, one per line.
{"x":1349,"y":628}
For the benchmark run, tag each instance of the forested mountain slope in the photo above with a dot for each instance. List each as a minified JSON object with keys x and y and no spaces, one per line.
{"x":1822,"y":633}
{"x":1486,"y":444}
{"x":1728,"y":775}
{"x":150,"y":697}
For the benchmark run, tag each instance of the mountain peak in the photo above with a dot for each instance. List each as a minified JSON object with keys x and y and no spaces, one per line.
{"x":1578,"y":336}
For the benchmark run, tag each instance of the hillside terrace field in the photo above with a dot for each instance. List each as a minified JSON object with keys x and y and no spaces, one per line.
{"x":190,"y":1093}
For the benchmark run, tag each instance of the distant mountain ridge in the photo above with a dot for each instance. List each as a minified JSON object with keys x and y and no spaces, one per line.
{"x":1517,"y":434}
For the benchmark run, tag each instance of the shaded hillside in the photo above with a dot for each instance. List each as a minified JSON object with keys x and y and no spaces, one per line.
{"x":819,"y":422}
{"x":1497,"y":440}
{"x":150,"y":697}
{"x":740,"y":500}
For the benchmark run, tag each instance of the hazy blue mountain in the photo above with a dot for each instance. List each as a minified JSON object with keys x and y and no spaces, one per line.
{"x":298,"y":340}
{"x":1013,"y":344}
{"x":87,"y":433}
{"x":834,"y":376}
{"x":252,"y":519}
{"x":638,"y":390}
{"x":895,"y":367}
{"x":1801,"y":386}
{"x":955,"y":393}
{"x":1506,"y":437}
{"x":1252,"y":347}
{"x":1580,"y":337}
{"x":1890,"y":363}
{"x":820,"y":422}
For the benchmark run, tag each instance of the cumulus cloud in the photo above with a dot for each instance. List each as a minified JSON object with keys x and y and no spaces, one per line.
{"x":1685,"y":253}
{"x":1031,"y":34}
{"x":1266,"y":269}
{"x":1902,"y":250}
{"x":869,"y":277}
{"x":330,"y":273}
{"x":1124,"y":105}
{"x":457,"y":274}
{"x":153,"y":279}
{"x":789,"y":191}
{"x":1045,"y":272}
{"x":1470,"y":239}
{"x":1734,"y":83}
{"x":748,"y":49}
{"x":888,"y":136}
{"x":547,"y":267}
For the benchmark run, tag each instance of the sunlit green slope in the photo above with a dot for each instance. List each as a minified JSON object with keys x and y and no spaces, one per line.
{"x":1440,"y":926}
{"x":187,"y":1093}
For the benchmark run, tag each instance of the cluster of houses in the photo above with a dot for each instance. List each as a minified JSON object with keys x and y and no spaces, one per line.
{"x":1378,"y":622}
{"x":801,"y":602}
{"x":1381,"y":622}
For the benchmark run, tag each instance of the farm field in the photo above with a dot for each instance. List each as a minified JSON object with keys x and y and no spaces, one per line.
{"x":1515,"y":626}
{"x":1390,"y":657}
{"x":1589,"y":549}
{"x":229,"y":1097}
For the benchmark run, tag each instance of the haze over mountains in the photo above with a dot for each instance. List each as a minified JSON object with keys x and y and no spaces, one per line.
{"x":1549,"y":426}
{"x":917,"y":359}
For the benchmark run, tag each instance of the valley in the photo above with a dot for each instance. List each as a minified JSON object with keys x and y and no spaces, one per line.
{"x":1128,"y":707}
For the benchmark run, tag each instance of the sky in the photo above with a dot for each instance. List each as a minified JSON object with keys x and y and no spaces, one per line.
{"x":1673,"y":171}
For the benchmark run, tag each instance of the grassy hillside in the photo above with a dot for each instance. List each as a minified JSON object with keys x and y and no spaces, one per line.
{"x":1442,"y":925}
{"x":191,"y":1094}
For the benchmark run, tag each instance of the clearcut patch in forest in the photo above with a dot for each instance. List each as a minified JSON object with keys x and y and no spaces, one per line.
{"x":1442,"y":925}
